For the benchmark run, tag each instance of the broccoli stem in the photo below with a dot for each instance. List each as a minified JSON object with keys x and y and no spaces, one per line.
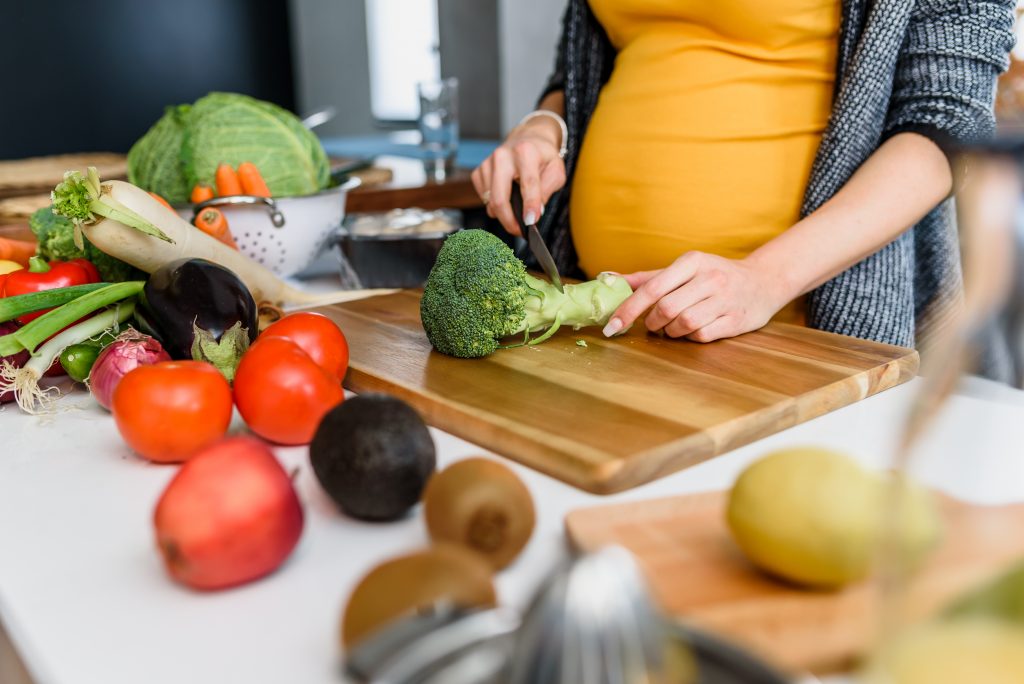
{"x":581,"y":305}
{"x":551,"y":331}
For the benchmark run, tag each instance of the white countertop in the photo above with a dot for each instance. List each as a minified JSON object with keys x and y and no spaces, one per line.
{"x":85,"y":598}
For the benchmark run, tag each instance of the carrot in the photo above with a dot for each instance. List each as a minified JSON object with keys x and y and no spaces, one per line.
{"x":212,"y":222}
{"x":227,"y":181}
{"x":162,"y":201}
{"x":201,"y":192}
{"x":252,"y":181}
{"x":17,"y":250}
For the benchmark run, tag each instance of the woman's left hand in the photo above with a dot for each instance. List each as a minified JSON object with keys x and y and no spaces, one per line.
{"x":702,"y":297}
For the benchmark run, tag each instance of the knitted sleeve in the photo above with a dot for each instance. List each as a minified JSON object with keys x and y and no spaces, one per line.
{"x":946,"y":73}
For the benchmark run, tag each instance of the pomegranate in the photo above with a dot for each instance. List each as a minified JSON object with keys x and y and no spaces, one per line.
{"x":228,"y":517}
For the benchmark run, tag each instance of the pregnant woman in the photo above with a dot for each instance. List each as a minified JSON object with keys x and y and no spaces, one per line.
{"x":741,"y":160}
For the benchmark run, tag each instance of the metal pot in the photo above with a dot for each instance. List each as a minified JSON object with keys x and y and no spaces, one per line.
{"x":400,"y":253}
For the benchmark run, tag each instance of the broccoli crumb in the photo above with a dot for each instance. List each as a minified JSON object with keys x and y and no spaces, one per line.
{"x":581,"y":343}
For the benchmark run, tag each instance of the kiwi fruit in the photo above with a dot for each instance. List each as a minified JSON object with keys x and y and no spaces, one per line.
{"x":481,"y":505}
{"x":413,"y":583}
{"x":373,"y":454}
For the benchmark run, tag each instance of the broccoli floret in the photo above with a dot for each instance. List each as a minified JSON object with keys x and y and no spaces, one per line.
{"x":56,"y":237}
{"x":479,"y":293}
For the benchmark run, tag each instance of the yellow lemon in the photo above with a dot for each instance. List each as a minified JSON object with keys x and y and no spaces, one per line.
{"x":962,"y":651}
{"x":814,"y":517}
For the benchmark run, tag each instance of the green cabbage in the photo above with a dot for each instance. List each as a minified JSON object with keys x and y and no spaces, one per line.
{"x":186,"y":146}
{"x":154,"y":162}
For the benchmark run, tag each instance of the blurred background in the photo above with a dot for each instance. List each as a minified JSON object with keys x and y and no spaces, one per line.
{"x":95,"y":76}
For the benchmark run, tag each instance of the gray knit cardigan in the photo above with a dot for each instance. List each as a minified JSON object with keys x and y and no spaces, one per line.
{"x":928,"y":66}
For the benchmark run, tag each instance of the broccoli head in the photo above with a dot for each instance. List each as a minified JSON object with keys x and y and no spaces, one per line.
{"x":479,"y":293}
{"x":56,"y":237}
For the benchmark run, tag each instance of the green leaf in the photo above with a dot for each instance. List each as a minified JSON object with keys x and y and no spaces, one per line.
{"x":72,"y":198}
{"x":226,"y":354}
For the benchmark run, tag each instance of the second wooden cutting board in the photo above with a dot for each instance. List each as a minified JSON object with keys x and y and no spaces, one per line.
{"x":615,"y":413}
{"x":697,"y":573}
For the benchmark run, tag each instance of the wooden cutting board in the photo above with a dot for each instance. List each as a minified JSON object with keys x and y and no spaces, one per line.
{"x":619,"y":412}
{"x":38,"y":175}
{"x":697,"y":573}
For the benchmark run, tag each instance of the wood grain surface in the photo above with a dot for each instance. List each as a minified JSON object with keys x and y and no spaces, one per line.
{"x":38,"y":175}
{"x":619,"y":412}
{"x":456,"y":192}
{"x":16,"y":231}
{"x":697,"y":573}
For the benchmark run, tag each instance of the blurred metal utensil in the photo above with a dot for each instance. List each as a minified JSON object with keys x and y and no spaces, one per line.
{"x":319,"y":117}
{"x":445,"y":646}
{"x":594,"y":623}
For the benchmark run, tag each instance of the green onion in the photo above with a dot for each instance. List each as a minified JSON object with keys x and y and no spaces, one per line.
{"x":52,"y":322}
{"x":19,"y":305}
{"x":24,"y":381}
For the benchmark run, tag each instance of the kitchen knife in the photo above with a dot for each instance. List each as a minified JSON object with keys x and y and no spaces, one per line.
{"x":534,"y":240}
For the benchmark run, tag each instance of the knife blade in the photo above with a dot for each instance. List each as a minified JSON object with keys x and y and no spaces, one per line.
{"x":534,"y":240}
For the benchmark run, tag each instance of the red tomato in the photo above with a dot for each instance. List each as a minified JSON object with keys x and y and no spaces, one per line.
{"x":282,"y":393}
{"x":319,"y":336}
{"x":168,"y":411}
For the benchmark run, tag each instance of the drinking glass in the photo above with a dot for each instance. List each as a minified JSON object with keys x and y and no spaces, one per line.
{"x":966,"y":627}
{"x":439,"y":126}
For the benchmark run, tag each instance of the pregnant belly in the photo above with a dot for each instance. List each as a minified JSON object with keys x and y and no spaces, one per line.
{"x":668,"y":166}
{"x":637,"y":205}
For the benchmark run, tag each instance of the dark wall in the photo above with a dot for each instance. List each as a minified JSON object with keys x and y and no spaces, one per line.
{"x":468,"y":30}
{"x":85,"y":76}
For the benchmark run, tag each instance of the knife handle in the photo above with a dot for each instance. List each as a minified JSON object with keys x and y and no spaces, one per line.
{"x":516,"y":200}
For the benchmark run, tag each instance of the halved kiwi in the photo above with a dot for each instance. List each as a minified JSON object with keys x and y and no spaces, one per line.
{"x":482,"y":505}
{"x":416,"y":582}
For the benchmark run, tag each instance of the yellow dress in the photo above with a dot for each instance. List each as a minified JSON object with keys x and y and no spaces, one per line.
{"x":704,"y":136}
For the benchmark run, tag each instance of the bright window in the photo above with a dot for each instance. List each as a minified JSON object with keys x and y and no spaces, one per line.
{"x":402,"y":38}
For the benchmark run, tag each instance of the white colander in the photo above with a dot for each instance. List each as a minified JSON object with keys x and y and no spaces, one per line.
{"x":284,"y":234}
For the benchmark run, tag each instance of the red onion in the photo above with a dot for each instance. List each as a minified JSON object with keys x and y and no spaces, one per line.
{"x":17,"y":360}
{"x":120,"y":357}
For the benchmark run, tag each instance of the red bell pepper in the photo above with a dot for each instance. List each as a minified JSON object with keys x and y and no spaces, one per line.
{"x":90,"y":268}
{"x":41,"y":276}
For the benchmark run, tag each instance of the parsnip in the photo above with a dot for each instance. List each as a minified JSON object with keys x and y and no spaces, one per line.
{"x":127,"y":223}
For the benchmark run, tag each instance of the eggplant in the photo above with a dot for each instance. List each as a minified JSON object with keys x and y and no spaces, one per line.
{"x":199,"y":310}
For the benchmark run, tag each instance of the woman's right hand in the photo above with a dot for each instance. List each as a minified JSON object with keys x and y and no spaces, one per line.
{"x":529,"y":155}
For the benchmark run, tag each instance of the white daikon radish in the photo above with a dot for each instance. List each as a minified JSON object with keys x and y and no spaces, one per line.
{"x":129,"y":224}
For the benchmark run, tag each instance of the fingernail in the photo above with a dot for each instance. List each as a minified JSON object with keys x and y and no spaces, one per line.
{"x":530,"y":217}
{"x":542,"y":210}
{"x":614,"y":326}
